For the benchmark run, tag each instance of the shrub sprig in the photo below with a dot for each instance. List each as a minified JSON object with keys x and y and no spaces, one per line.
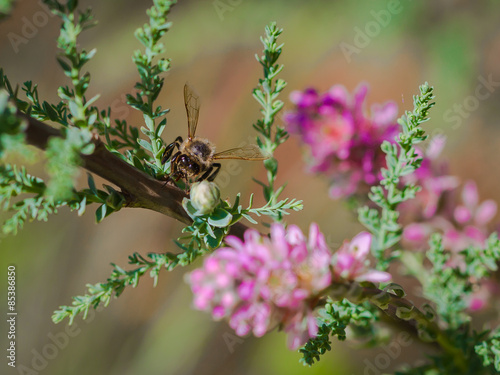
{"x":402,"y":159}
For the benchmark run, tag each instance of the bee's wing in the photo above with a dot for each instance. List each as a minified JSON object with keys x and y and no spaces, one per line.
{"x":250,"y":152}
{"x":192,"y":103}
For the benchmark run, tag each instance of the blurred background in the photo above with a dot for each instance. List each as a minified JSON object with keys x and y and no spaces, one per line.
{"x":453,"y":44}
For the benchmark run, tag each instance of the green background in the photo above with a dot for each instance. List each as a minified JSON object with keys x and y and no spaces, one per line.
{"x":212,"y":45}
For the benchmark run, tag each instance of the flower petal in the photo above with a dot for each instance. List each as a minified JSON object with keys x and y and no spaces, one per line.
{"x":375,"y":276}
{"x":360,"y":245}
{"x":470,"y":195}
{"x":486,"y":212}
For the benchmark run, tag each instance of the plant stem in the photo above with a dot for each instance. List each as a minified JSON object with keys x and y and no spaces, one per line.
{"x":140,"y":190}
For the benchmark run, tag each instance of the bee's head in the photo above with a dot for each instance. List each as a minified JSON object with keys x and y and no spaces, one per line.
{"x":188,"y":166}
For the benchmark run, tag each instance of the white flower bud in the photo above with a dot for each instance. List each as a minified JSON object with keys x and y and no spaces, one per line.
{"x":205,"y":196}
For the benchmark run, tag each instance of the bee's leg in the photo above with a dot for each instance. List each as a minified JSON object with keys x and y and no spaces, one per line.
{"x":210,"y":174}
{"x":173,"y":168}
{"x":206,"y":174}
{"x":215,"y":166}
{"x":170,"y":148}
{"x":173,"y":163}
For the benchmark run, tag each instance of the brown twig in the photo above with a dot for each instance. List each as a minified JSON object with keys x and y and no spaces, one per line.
{"x":139,"y":189}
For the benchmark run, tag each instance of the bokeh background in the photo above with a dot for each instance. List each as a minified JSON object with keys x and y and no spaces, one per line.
{"x":450,"y":43}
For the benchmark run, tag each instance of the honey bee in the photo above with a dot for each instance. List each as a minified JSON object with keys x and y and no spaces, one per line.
{"x":195,"y":156}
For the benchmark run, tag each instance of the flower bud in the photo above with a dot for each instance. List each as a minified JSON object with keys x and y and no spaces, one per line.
{"x":204,"y":196}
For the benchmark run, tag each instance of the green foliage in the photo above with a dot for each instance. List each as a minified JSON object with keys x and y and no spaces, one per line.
{"x":151,"y":84}
{"x":11,"y":126}
{"x":448,"y":287}
{"x":77,"y":117}
{"x":75,"y":111}
{"x":402,"y":159}
{"x":122,"y":140}
{"x":489,"y":351}
{"x":276,"y":209}
{"x":5,"y":8}
{"x":15,"y":182}
{"x":335,"y":318}
{"x":110,"y":200}
{"x":44,"y":111}
{"x":209,"y":230}
{"x":102,"y":293}
{"x":63,"y":161}
{"x":482,"y":262}
{"x":72,"y":60}
{"x":465,"y":361}
{"x":449,"y":284}
{"x":34,"y":107}
{"x":266,"y":94}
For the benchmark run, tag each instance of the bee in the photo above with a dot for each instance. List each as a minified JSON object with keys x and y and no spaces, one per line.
{"x":195,"y":158}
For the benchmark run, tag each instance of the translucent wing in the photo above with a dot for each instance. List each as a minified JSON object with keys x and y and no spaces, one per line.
{"x":192,"y":103}
{"x":250,"y":152}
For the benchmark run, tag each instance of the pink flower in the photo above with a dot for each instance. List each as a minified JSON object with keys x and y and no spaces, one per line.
{"x":300,"y":328}
{"x":260,"y":282}
{"x":463,"y":224}
{"x":471,"y":220}
{"x":436,"y":209}
{"x":486,"y":291}
{"x":433,"y":178}
{"x":471,"y":210}
{"x":342,"y":140}
{"x":350,"y":261}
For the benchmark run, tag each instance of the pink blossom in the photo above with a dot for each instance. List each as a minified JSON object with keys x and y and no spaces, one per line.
{"x":432,"y":176}
{"x":300,"y":328}
{"x":342,"y":140}
{"x":486,"y":292}
{"x":436,"y":207}
{"x":260,"y":282}
{"x":471,"y":218}
{"x":463,"y":223}
{"x":350,"y":261}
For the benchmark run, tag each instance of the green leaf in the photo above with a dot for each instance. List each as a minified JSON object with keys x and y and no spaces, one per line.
{"x":64,"y":65}
{"x":396,"y":289}
{"x":83,"y":205}
{"x":145,"y":144}
{"x":100,"y":213}
{"x":220,"y":218}
{"x":213,"y":242}
{"x":189,"y":208}
{"x":91,"y":183}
